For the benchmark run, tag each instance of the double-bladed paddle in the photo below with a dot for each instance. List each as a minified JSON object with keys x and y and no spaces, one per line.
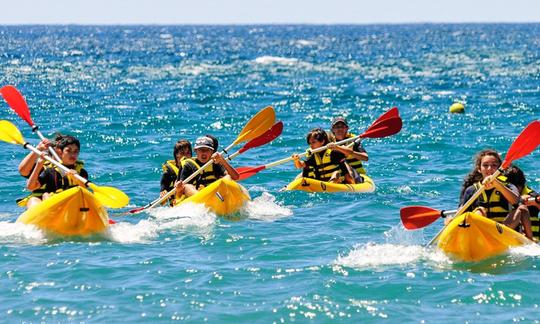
{"x":387,"y":124}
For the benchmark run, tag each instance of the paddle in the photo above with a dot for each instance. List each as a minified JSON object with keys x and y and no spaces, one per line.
{"x":108,"y":196}
{"x":16,"y":102}
{"x":384,"y":126}
{"x":416,"y":217}
{"x":251,"y":132}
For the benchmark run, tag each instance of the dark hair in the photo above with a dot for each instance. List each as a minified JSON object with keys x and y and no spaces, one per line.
{"x":65,"y":140}
{"x":56,"y":139}
{"x":180,"y":146}
{"x":214,"y":140}
{"x":475,"y":175}
{"x":515,"y":176}
{"x":319,"y":134}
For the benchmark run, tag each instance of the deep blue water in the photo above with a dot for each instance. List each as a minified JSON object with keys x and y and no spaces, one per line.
{"x":129,"y":92}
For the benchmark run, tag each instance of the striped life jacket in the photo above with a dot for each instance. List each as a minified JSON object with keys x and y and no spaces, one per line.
{"x":355,"y":163}
{"x":533,"y":211}
{"x":324,"y":167}
{"x":206,"y":177}
{"x":496,"y":205}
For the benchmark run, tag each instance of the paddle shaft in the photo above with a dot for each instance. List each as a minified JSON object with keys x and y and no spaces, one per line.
{"x":320,"y":149}
{"x":56,"y":163}
{"x":53,"y":152}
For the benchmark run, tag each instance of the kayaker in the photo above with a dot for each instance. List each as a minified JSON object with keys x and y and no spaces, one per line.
{"x":355,"y":154}
{"x":500,"y":199}
{"x":516,"y":177}
{"x":27,"y":165}
{"x":172,"y":168}
{"x":204,"y":150}
{"x":328,"y":165}
{"x":49,"y":179}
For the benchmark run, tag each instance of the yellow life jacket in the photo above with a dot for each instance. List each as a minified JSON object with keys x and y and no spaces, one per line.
{"x":206,"y":177}
{"x":324,"y":167}
{"x":353,"y":162}
{"x":535,"y":220}
{"x":66,"y":182}
{"x":496,"y":205}
{"x":170,"y":166}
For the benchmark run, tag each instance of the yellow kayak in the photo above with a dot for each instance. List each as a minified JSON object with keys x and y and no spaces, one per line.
{"x":312,"y":185}
{"x":223,"y":197}
{"x":480,"y":238}
{"x":72,"y":212}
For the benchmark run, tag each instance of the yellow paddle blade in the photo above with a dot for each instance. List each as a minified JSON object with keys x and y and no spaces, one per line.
{"x":110,"y":196}
{"x":10,"y":133}
{"x":257,"y":125}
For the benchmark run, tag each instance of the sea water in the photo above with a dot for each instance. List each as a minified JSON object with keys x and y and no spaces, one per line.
{"x":130,"y":92}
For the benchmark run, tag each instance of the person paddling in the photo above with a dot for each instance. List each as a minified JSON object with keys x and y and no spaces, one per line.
{"x":50,"y":180}
{"x":355,"y":154}
{"x":328,"y":165}
{"x":515,"y":176}
{"x":204,"y":150}
{"x":172,"y":168}
{"x":500,"y":199}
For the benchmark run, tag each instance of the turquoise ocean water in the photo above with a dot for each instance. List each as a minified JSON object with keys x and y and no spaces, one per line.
{"x":129,"y":92}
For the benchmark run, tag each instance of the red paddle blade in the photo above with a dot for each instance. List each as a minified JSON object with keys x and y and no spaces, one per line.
{"x":265,"y":138}
{"x":111,"y":221}
{"x":16,"y":101}
{"x":246,"y":172}
{"x":524,"y":144}
{"x":384,"y":128}
{"x":415,"y":217}
{"x":393,"y":112}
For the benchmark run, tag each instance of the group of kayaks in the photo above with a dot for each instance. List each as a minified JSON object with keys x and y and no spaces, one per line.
{"x":78,"y":211}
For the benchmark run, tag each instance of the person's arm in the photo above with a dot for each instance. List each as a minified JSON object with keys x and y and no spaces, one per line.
{"x":350,"y":151}
{"x":509,"y":191}
{"x":218,"y":158}
{"x":166,"y":179}
{"x":33,"y":182}
{"x":299,"y":164}
{"x":27,"y":164}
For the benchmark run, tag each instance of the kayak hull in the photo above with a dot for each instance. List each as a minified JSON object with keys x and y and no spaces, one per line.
{"x":75,"y":211}
{"x":478,"y":238}
{"x":312,"y":185}
{"x":222,"y":197}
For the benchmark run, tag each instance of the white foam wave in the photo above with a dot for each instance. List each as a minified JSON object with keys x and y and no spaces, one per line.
{"x":526,"y":250}
{"x":193,"y":218}
{"x":305,"y":42}
{"x":265,"y":208}
{"x":374,"y":255}
{"x":275,"y":60}
{"x":21,"y":233}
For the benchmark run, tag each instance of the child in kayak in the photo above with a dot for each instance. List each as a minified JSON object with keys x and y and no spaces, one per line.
{"x":204,"y":150}
{"x":500,"y":199}
{"x":515,"y":176}
{"x":355,"y":154}
{"x":172,"y":168}
{"x":328,"y":165}
{"x":50,"y":179}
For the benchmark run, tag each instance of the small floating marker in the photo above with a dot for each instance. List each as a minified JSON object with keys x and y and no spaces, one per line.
{"x":457,"y":108}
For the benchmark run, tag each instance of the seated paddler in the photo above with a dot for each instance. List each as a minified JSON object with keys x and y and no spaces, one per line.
{"x":204,"y":152}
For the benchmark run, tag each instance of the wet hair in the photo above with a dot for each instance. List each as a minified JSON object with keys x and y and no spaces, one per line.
{"x":318,"y":134}
{"x":65,"y":140}
{"x":515,"y":176}
{"x":56,"y":139}
{"x":214,"y":140}
{"x":475,"y":175}
{"x":181,"y":146}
